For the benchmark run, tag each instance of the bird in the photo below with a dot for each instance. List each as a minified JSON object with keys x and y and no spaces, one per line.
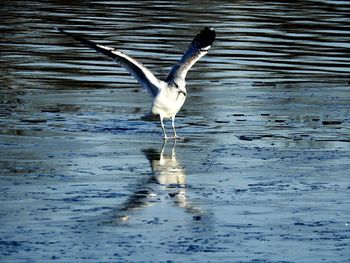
{"x":170,"y":94}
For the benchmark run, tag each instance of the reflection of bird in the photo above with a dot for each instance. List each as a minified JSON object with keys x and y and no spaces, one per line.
{"x":167,"y":173}
{"x":166,"y":169}
{"x":169,"y":95}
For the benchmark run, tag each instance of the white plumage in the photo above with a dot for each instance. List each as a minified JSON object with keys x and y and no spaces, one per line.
{"x":169,"y":95}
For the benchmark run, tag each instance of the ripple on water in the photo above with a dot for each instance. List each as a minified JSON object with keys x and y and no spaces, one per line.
{"x":266,"y":127}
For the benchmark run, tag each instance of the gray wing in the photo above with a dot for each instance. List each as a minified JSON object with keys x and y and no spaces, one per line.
{"x":198,"y":48}
{"x":144,"y":76}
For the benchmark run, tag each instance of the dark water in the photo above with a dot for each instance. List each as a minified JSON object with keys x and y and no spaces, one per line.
{"x":262,"y":175}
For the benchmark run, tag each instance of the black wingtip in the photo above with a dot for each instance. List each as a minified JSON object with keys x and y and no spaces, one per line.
{"x":59,"y":29}
{"x":67,"y":33}
{"x":206,"y":37}
{"x":83,"y":41}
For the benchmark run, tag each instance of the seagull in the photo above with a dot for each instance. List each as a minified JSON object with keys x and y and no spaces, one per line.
{"x":168,"y":95}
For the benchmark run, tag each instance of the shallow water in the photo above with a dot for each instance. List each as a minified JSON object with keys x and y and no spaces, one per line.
{"x":262,"y":174}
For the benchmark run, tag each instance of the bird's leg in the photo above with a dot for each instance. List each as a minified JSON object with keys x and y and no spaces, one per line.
{"x":163,"y":129}
{"x":173,"y":125}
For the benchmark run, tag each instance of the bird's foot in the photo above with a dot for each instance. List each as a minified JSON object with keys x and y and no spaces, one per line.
{"x":178,"y":138}
{"x":165,"y":138}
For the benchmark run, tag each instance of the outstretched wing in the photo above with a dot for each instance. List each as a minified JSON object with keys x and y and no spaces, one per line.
{"x":198,"y":48}
{"x":144,"y":76}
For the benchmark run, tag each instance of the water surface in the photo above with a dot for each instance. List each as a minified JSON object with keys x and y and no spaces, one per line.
{"x":262,"y":172}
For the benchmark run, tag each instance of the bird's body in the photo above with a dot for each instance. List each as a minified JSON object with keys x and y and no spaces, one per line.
{"x":168,"y":101}
{"x":169,"y":95}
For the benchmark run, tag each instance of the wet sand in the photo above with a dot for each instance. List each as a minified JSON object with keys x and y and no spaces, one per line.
{"x":261,"y":175}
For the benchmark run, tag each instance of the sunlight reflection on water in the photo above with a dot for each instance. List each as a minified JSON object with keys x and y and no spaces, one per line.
{"x":266,"y":126}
